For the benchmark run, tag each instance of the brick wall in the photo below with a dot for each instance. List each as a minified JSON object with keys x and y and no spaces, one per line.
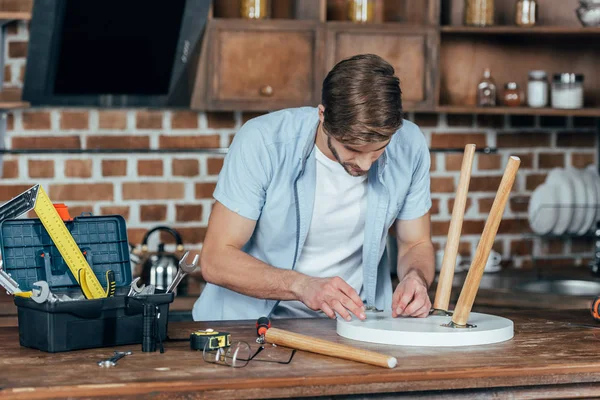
{"x":175,"y":188}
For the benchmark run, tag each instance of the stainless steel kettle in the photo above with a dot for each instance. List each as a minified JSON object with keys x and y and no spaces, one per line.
{"x":160,"y":267}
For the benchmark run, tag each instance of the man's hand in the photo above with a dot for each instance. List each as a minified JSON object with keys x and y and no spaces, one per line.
{"x":330,"y":295}
{"x":410,"y":298}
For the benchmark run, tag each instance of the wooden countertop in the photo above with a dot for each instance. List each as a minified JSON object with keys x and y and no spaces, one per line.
{"x":547,"y":357}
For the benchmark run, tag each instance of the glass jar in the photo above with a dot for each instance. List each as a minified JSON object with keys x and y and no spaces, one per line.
{"x":512,"y":95}
{"x":526,"y":12}
{"x":479,"y":12}
{"x":362,"y":11}
{"x":486,"y":90}
{"x":255,"y":9}
{"x":567,"y":91}
{"x":537,"y":89}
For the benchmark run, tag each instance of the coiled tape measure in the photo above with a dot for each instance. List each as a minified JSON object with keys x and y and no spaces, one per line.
{"x":209,"y":339}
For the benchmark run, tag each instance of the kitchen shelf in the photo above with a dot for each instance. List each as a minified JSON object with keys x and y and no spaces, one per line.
{"x":515,"y":30}
{"x":584,"y":112}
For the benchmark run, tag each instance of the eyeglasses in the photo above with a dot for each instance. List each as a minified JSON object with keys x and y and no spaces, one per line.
{"x":238,"y":355}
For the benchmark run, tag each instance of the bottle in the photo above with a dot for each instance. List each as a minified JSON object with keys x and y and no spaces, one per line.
{"x":361,"y":11}
{"x":486,"y":90}
{"x":255,"y":9}
{"x":537,"y":89}
{"x":512,"y":95}
{"x":479,"y":12}
{"x":526,"y":12}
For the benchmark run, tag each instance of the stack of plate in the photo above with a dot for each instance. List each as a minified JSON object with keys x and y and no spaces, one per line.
{"x":567,"y":203}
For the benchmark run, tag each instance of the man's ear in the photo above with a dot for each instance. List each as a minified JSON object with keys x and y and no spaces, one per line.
{"x":321,"y":113}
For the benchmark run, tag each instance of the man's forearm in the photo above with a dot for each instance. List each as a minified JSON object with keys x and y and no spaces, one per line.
{"x":418,"y":260}
{"x":236,"y":270}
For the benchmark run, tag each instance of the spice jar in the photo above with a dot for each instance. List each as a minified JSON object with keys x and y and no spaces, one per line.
{"x":486,"y":90}
{"x":526,"y":12}
{"x":479,"y":12}
{"x":361,"y":10}
{"x":567,"y":91}
{"x":255,"y":9}
{"x":537,"y":89}
{"x":512,"y":95}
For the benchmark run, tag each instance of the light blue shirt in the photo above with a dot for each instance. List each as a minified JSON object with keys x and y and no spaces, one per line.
{"x":269,"y":175}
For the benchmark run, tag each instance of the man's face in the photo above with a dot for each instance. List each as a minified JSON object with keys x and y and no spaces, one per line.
{"x":356,"y":159}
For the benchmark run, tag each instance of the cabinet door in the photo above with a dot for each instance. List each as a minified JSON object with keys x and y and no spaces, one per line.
{"x":264,"y":65}
{"x":412,"y":51}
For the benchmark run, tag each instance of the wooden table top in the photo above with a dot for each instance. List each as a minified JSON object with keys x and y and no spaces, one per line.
{"x":546,"y":353}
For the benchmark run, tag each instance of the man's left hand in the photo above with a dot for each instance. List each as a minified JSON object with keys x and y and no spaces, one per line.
{"x":411,"y":298}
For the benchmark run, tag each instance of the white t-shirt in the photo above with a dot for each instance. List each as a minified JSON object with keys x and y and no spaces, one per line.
{"x":335,"y":238}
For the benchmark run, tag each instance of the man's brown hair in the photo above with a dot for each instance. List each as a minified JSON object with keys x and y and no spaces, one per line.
{"x":362,"y":100}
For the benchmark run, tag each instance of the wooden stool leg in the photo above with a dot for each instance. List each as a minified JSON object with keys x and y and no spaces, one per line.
{"x":444,"y":288}
{"x":471,"y":286}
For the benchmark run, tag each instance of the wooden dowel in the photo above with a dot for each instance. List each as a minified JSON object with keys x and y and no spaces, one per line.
{"x":314,"y":345}
{"x":444,"y":288}
{"x":471,"y":286}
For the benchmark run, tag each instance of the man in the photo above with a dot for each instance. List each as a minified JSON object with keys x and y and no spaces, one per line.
{"x":304,"y":203}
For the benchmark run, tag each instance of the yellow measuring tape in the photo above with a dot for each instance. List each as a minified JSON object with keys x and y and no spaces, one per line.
{"x":64,"y":242}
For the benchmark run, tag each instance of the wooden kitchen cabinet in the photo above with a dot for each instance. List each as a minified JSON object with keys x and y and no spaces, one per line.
{"x":412,"y":51}
{"x":261,"y":65}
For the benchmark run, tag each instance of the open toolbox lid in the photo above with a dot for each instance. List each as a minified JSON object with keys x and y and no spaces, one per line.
{"x":29,"y":255}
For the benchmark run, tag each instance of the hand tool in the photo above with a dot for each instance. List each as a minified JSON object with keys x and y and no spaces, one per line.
{"x":41,"y":293}
{"x":184,"y":269}
{"x":209,"y":339}
{"x":36,"y":199}
{"x":471,"y":285}
{"x":112,"y":362}
{"x":444,"y":288}
{"x":293,"y":340}
{"x":143,"y":290}
{"x":596,"y":309}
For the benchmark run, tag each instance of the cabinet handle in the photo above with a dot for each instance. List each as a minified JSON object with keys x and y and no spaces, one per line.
{"x":266,"y":91}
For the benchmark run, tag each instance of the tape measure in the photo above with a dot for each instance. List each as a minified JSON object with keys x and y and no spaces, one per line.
{"x":209,"y":339}
{"x":37,"y":199}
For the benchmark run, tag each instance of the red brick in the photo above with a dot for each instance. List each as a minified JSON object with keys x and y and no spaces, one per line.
{"x":435,"y":206}
{"x":10,"y":169}
{"x":231,"y":136}
{"x":554,"y":246}
{"x":78,"y":168}
{"x":442,"y":185}
{"x":472,"y":227}
{"x":7,"y":73}
{"x":433,"y":166}
{"x":12,"y":28}
{"x":534,"y":180}
{"x":576,"y":139}
{"x":153,"y":190}
{"x":582,"y":160}
{"x":440,"y":228}
{"x":464,"y":249}
{"x":115,"y":210}
{"x":76,"y":211}
{"x":522,"y":139}
{"x":17,"y":49}
{"x":149,"y":120}
{"x":551,"y":160}
{"x":426,"y":119}
{"x":46,"y":142}
{"x":459,"y":120}
{"x":74,"y":120}
{"x":185,"y":167}
{"x":116,"y":120}
{"x":484,"y":183}
{"x":188,"y":212}
{"x":498,"y":246}
{"x":136,"y":235}
{"x":7,"y":192}
{"x":248,"y":115}
{"x":521,"y":247}
{"x":36,"y":120}
{"x":220,"y":119}
{"x":189,"y":142}
{"x":582,"y":245}
{"x":454,"y":162}
{"x":205,"y":190}
{"x":22,"y":74}
{"x":114,"y":167}
{"x":451,"y":205}
{"x":150,"y":168}
{"x":519,"y":203}
{"x":485,"y":204}
{"x":10,"y":121}
{"x":490,"y":121}
{"x":189,"y":235}
{"x":153,"y":212}
{"x":82,"y":192}
{"x":41,"y":168}
{"x":526,"y":160}
{"x":457,"y":140}
{"x":118,"y":142}
{"x":514,"y":226}
{"x":184,"y":120}
{"x":214,"y":165}
{"x":489,"y":162}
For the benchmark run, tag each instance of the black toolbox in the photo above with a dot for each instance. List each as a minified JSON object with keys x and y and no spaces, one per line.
{"x":29,"y":255}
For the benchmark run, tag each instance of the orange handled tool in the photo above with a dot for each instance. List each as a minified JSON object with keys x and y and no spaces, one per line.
{"x":596,"y":309}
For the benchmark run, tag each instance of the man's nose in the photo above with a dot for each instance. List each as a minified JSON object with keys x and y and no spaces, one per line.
{"x":364,"y":163}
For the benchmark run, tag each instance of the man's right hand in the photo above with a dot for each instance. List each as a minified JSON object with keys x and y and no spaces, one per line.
{"x":330,"y":295}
